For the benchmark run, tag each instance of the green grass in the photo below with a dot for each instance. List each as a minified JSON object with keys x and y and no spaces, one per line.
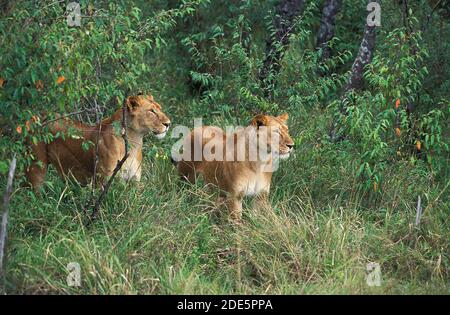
{"x":162,"y":236}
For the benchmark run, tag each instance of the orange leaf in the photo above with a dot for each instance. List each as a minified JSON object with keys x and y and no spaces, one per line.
{"x":39,"y":85}
{"x":19,"y":129}
{"x":35,"y":118}
{"x":60,"y":79}
{"x":418,"y":145}
{"x":27,"y":125}
{"x":397,"y":103}
{"x":375,"y":186}
{"x":398,"y":132}
{"x":2,"y":81}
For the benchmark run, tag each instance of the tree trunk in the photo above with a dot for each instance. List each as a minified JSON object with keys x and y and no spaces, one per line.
{"x":356,"y":81}
{"x":327,"y":27}
{"x":363,"y":58}
{"x":286,"y":11}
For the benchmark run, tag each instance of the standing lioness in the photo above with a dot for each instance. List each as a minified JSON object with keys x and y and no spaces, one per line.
{"x":66,"y":152}
{"x":240,"y":173}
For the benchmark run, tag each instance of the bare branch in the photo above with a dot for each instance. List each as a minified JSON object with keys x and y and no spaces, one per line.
{"x":65,"y":116}
{"x":96,"y":158}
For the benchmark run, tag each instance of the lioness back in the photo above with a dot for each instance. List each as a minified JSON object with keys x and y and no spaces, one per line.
{"x":74,"y":148}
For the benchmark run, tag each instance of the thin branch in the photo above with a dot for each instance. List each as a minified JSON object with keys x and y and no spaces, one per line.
{"x":65,"y":116}
{"x":119,"y":163}
{"x":94,"y":178}
{"x":3,"y":230}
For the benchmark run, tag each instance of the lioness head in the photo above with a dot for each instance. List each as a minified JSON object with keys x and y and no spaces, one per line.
{"x":277,"y":133}
{"x":146,"y":116}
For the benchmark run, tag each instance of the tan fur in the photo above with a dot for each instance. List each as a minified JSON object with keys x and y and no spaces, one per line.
{"x":235,"y":178}
{"x":144,"y":115}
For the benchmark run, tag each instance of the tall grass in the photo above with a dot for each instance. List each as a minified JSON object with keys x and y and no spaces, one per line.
{"x":162,"y":236}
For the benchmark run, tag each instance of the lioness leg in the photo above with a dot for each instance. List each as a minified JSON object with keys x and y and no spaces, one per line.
{"x":234,"y":206}
{"x":36,"y":172}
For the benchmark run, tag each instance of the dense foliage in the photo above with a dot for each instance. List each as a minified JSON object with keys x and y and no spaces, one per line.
{"x":336,"y":204}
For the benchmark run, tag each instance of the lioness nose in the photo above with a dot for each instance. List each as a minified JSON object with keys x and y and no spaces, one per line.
{"x":290,"y":146}
{"x":167,"y":124}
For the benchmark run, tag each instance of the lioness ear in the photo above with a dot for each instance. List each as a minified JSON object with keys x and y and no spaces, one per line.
{"x":132,"y":102}
{"x":150,"y":97}
{"x":284,"y":116}
{"x":259,"y":120}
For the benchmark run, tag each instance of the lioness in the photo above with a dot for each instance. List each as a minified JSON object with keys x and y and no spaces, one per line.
{"x":237,"y":177}
{"x":66,"y":153}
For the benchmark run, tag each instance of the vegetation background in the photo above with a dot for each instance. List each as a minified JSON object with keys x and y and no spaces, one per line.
{"x":347,"y":197}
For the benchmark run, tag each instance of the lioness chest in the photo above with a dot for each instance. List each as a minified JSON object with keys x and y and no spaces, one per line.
{"x":132,"y":167}
{"x":252,"y":184}
{"x":112,"y":150}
